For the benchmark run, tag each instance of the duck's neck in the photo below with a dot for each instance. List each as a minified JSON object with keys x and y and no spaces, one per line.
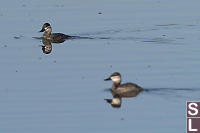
{"x":46,"y":34}
{"x":115,"y":85}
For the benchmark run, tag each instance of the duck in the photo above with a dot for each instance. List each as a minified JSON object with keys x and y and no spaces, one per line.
{"x":123,"y":90}
{"x":46,"y":28}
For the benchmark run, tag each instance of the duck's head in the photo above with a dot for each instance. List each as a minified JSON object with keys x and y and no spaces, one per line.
{"x":46,"y":27}
{"x":115,"y":77}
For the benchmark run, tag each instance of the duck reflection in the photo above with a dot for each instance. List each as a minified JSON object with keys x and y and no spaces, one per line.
{"x":115,"y":102}
{"x":120,"y":91}
{"x":47,"y":47}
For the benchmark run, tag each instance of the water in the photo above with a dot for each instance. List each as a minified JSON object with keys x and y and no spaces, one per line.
{"x":150,"y":42}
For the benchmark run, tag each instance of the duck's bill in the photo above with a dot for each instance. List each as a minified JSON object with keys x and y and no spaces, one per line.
{"x":108,"y":100}
{"x":42,"y":30}
{"x":107,"y":79}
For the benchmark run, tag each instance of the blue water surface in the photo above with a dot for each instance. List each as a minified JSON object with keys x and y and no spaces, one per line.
{"x":154,"y":43}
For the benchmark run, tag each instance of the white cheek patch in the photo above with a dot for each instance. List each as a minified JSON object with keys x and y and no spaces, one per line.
{"x":116,"y":79}
{"x":47,"y":29}
{"x":116,"y":101}
{"x":48,"y":47}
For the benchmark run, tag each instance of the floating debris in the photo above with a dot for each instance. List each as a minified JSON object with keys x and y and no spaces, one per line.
{"x":18,"y":37}
{"x":122,"y":119}
{"x":23,"y":5}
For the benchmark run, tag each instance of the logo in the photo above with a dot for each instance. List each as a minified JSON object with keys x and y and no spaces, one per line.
{"x":192,"y":117}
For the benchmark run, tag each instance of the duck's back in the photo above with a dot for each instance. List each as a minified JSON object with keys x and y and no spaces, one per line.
{"x":59,"y":36}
